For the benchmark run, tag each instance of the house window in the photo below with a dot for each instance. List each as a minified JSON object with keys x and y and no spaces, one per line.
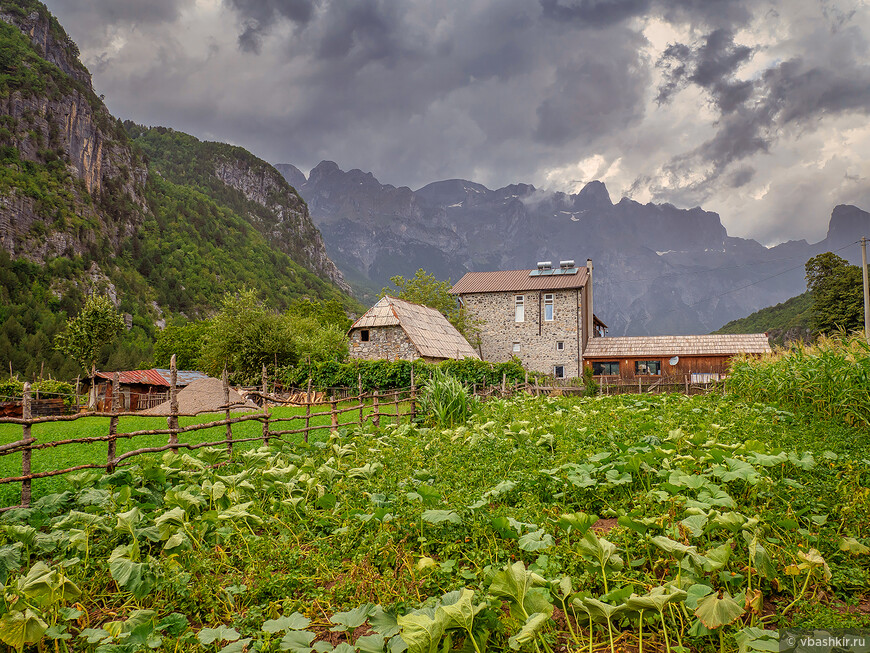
{"x":516,"y":348}
{"x":560,"y":346}
{"x":364,"y":335}
{"x":605,"y":368}
{"x":519,"y":308}
{"x":548,"y":308}
{"x":559,"y":371}
{"x":648,"y":367}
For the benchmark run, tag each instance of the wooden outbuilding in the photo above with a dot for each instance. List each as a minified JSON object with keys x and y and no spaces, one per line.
{"x":140,"y":389}
{"x":697,"y":359}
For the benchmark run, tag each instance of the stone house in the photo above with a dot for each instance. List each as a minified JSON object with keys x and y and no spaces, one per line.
{"x":543,"y":316}
{"x":394,"y":329}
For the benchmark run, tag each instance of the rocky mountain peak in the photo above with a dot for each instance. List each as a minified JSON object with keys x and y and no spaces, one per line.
{"x":846,"y":221}
{"x":594,"y":194}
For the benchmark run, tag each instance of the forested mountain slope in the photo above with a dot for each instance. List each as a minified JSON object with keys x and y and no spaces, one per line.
{"x":161,"y":222}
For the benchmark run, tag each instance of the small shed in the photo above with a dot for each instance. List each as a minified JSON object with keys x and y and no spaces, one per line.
{"x":394,"y":329}
{"x":140,"y":389}
{"x":698,"y":359}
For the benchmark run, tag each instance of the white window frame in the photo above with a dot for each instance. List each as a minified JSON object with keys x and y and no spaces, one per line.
{"x":549,"y":307}
{"x":519,"y":308}
{"x":516,"y":347}
{"x":560,"y":345}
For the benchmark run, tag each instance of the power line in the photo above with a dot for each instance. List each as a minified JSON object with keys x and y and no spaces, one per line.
{"x":754,"y":283}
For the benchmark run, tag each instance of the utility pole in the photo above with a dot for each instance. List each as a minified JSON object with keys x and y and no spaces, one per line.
{"x":866,"y":288}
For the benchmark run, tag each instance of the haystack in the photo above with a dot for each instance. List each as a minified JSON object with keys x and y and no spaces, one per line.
{"x":203,"y":396}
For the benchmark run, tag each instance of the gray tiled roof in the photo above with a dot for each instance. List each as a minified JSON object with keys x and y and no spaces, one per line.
{"x":427,"y":328}
{"x":708,"y":345}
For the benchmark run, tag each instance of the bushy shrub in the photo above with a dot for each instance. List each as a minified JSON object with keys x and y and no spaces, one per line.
{"x":386,"y":375}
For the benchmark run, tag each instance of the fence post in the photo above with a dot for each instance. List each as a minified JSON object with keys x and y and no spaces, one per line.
{"x":376,"y":415}
{"x":396,"y":394}
{"x":173,"y":403}
{"x":26,"y":453}
{"x":413,"y":398}
{"x":266,"y":420}
{"x":537,"y":387}
{"x":226,"y":384}
{"x":308,"y":409}
{"x":333,"y":413}
{"x":360,"y":398}
{"x":113,"y":426}
{"x":78,"y":381}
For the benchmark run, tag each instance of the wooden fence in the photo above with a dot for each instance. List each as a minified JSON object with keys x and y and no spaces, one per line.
{"x":373,"y":407}
{"x":366,"y":407}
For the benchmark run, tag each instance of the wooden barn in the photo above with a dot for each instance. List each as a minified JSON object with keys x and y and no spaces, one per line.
{"x":139,"y":389}
{"x":696,"y":359}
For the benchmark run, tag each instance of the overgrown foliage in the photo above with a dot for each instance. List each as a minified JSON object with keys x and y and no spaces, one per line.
{"x":830,"y":379}
{"x":481,"y":537}
{"x":246,"y":335}
{"x":386,"y":375}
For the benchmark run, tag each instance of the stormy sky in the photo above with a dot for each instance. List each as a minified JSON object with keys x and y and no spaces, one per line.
{"x":757,"y":110}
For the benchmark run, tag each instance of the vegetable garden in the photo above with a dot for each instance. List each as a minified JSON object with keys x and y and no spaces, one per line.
{"x":626,"y":523}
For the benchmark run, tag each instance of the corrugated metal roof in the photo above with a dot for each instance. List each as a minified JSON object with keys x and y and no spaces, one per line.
{"x":153,"y":377}
{"x":515,"y":281}
{"x":660,"y":346}
{"x":427,"y":328}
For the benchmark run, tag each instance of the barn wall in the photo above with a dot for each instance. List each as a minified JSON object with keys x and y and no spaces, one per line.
{"x":687,"y":365}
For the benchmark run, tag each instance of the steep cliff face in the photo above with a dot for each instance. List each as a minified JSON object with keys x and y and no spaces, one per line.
{"x":56,"y":129}
{"x":287,"y":225}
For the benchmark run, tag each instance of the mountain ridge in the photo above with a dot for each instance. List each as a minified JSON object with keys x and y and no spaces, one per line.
{"x":661,"y":269}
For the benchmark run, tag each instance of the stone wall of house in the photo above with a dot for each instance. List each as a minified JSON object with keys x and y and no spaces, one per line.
{"x":537,"y":337}
{"x":387,"y":342}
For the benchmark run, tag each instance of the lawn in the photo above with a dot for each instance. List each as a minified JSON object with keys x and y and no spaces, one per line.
{"x":71,"y":455}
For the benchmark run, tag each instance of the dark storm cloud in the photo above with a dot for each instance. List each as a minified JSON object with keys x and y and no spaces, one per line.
{"x":365,"y":27}
{"x":595,"y":13}
{"x":92,"y":13}
{"x":259,"y":16}
{"x":711,"y":65}
{"x":753,"y":113}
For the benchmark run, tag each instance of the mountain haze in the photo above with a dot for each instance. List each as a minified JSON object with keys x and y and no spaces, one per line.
{"x":658,"y":269}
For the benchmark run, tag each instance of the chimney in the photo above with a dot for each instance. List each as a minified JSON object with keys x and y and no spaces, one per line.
{"x":589,"y":321}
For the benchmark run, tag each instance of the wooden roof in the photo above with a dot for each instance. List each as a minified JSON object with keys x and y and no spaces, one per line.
{"x":516,"y":281}
{"x":428,"y":329}
{"x":667,"y":346}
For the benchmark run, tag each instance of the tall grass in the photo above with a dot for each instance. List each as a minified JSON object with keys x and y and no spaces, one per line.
{"x":445,"y":400}
{"x":830,"y":378}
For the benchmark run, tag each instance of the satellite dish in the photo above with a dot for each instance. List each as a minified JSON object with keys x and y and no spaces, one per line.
{"x":674,"y":360}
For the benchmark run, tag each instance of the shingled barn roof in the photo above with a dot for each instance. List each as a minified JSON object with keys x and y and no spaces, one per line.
{"x":428,"y":329}
{"x":708,"y":345}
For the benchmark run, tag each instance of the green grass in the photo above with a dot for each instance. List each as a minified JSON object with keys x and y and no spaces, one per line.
{"x":71,"y":455}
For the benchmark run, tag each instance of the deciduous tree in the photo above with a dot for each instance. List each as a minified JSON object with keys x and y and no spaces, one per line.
{"x":836,"y":289}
